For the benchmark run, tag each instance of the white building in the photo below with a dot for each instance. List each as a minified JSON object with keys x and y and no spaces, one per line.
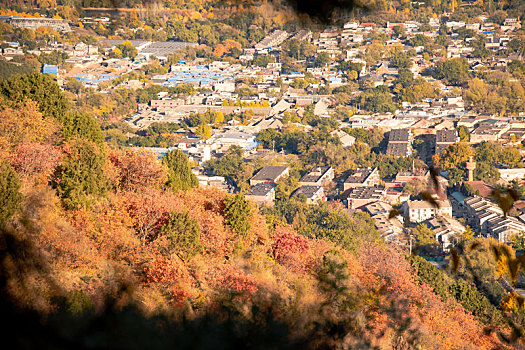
{"x":418,"y":211}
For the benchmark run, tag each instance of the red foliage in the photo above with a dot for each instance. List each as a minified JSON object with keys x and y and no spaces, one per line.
{"x":35,"y":159}
{"x":206,"y":206}
{"x":148,"y":211}
{"x":167,"y":270}
{"x":177,"y":296}
{"x":290,"y":248}
{"x":232,"y":280}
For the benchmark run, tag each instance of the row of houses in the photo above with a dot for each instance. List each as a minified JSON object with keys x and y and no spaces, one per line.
{"x":487,"y":219}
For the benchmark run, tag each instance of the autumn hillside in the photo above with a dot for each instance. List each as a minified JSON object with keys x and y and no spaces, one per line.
{"x":107,"y":248}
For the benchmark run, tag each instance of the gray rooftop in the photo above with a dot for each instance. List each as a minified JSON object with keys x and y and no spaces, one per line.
{"x":359,"y":175}
{"x":375,"y":192}
{"x":446,"y":136}
{"x":398,"y":149}
{"x":315,"y":174}
{"x":261,"y":189}
{"x":165,"y":48}
{"x":399,"y":135}
{"x":308,"y":191}
{"x":269,"y":173}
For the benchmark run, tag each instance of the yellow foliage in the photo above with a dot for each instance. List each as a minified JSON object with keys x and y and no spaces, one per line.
{"x":24,"y":123}
{"x":219,"y":117}
{"x":510,"y":303}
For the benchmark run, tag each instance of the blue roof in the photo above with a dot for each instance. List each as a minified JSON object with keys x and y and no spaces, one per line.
{"x":49,"y":69}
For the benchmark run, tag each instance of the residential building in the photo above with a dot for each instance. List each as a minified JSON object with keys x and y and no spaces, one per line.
{"x":358,"y":197}
{"x":262,"y":194}
{"x":416,"y":174}
{"x":478,"y":211}
{"x":447,"y":230}
{"x":221,"y":142}
{"x":488,"y":133}
{"x":399,"y":142}
{"x":49,"y":69}
{"x":444,"y":138}
{"x":504,"y":228}
{"x":272,"y":40}
{"x":213,"y":181}
{"x":269,"y":174}
{"x":512,"y":174}
{"x":313,"y":194}
{"x":60,"y":25}
{"x":389,"y":228}
{"x":317,"y":176}
{"x":346,"y":140}
{"x":418,"y":210}
{"x":362,"y":177}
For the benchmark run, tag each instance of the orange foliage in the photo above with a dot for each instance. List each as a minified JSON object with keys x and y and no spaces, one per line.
{"x":137,"y":170}
{"x":35,"y":159}
{"x":219,"y":50}
{"x":167,"y":270}
{"x":205,"y":205}
{"x":23,"y":122}
{"x":148,"y":211}
{"x":388,"y":274}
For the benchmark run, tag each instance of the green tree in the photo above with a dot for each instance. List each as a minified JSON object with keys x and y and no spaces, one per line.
{"x":180,"y":176}
{"x":10,"y":196}
{"x":447,"y":287}
{"x":184,"y":234}
{"x":349,"y":66}
{"x":400,"y":59}
{"x":231,"y":166}
{"x":83,"y":126}
{"x":322,"y":222}
{"x":203,"y":131}
{"x":378,"y":100}
{"x":399,"y":31}
{"x":74,"y":85}
{"x":299,"y":83}
{"x":418,"y":91}
{"x":517,"y":241}
{"x":81,"y":179}
{"x":480,"y":49}
{"x":8,"y":69}
{"x":127,"y":49}
{"x":333,"y":277}
{"x":237,"y":213}
{"x":486,"y":172}
{"x":372,"y":137}
{"x":510,"y":157}
{"x":405,"y":77}
{"x":322,"y":59}
{"x":453,"y":71}
{"x":463,"y":133}
{"x":453,"y":160}
{"x":419,"y":40}
{"x":41,"y":89}
{"x":263,"y":60}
